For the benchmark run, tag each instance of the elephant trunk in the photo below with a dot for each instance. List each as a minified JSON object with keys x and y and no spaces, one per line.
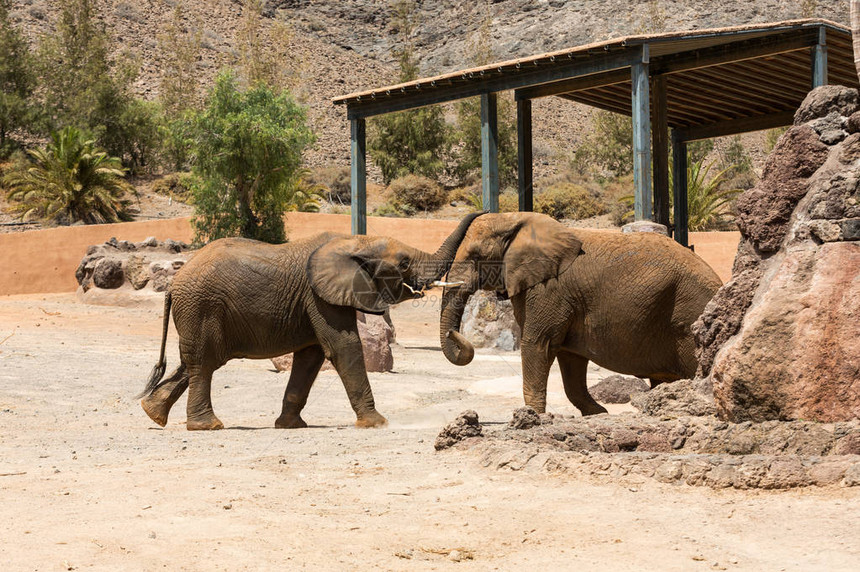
{"x":456,"y":348}
{"x":437,"y":264}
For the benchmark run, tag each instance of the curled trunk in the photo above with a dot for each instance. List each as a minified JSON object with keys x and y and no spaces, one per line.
{"x":456,"y":348}
{"x":435,"y":265}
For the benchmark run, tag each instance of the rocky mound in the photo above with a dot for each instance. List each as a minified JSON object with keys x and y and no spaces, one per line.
{"x":781,"y":339}
{"x":150,"y":264}
{"x":701,"y":451}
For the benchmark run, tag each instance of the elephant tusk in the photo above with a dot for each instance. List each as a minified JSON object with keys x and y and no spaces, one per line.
{"x":448,"y":284}
{"x":411,"y":289}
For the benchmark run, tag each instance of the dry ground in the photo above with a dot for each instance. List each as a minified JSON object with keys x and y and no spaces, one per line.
{"x":88,"y":482}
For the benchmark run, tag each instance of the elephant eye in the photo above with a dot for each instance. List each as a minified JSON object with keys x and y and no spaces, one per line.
{"x":404,"y":263}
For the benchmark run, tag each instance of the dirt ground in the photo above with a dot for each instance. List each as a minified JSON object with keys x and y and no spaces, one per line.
{"x":88,"y":481}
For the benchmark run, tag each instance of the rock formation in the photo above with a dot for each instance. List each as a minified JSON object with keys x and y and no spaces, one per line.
{"x":781,"y":339}
{"x":148,"y":264}
{"x":489,"y":322}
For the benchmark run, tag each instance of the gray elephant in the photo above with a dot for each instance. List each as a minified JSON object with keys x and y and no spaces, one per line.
{"x":239,"y":298}
{"x":624,"y":301}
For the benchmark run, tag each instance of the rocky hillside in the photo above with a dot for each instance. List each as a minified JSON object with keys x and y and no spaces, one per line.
{"x":339,"y":46}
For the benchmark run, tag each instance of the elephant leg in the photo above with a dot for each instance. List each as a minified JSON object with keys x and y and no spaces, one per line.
{"x":574,"y":371}
{"x":348,"y":360}
{"x":537,"y":359}
{"x":337,"y":332}
{"x":158,"y":403}
{"x":201,"y":417}
{"x":306,"y":365}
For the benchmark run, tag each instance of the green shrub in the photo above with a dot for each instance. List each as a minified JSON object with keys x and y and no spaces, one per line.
{"x":176,"y":185}
{"x":389,"y":209}
{"x":567,"y":200}
{"x":414,"y":193}
{"x":335,"y":183}
{"x":509,"y":202}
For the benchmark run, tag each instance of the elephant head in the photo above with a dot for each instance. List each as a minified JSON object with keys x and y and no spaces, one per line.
{"x":505,"y":253}
{"x":370,"y":273}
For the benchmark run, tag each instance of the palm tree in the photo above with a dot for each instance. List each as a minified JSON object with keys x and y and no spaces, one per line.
{"x":70,"y":181}
{"x":707,"y":204}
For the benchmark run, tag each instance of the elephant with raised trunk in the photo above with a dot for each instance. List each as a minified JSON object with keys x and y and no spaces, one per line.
{"x":624,"y":301}
{"x":239,"y":298}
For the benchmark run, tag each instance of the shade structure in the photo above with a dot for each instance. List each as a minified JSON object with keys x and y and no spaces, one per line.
{"x":678,"y":86}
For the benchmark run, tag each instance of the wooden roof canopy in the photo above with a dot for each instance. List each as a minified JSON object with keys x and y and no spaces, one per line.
{"x":703,"y":83}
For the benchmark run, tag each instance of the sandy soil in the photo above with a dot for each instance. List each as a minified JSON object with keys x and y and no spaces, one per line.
{"x":88,"y":481}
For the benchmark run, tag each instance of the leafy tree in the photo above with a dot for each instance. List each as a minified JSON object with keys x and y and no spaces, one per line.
{"x":413,"y":141}
{"x":70,"y":181}
{"x":608,"y":148}
{"x":248,"y":148}
{"x":469,"y":121}
{"x":84,"y":88}
{"x":16,"y":80}
{"x":737,"y":164}
{"x":180,"y":48}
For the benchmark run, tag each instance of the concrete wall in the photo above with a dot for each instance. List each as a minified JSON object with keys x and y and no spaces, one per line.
{"x":42,"y":261}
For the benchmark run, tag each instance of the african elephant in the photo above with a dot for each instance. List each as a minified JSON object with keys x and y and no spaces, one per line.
{"x":239,"y":298}
{"x":624,"y":301}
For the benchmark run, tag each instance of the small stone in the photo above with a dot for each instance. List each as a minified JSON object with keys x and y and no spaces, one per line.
{"x":152,"y":534}
{"x":228,"y":506}
{"x":646,"y":226}
{"x":850,"y":228}
{"x":455,"y":556}
{"x":825,"y":230}
{"x":524,"y":418}
{"x":464,"y":426}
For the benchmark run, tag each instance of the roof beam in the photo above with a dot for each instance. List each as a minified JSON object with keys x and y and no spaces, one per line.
{"x":735,"y":51}
{"x":573,"y":84}
{"x":400,"y":101}
{"x":735,"y":126}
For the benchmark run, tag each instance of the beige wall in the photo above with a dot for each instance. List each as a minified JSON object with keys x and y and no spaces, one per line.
{"x":41,"y":261}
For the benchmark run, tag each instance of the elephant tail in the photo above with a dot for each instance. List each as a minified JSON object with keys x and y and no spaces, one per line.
{"x":159,"y":369}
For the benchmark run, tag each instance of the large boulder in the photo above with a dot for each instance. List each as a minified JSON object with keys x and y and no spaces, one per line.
{"x":488,"y":322}
{"x":781,"y":339}
{"x":377,"y":335}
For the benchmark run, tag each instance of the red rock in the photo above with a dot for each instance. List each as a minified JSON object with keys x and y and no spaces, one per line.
{"x":797,"y":355}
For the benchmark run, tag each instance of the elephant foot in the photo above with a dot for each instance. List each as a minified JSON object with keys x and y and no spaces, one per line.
{"x":207,"y":422}
{"x":595,"y":409}
{"x":290,"y":422}
{"x":155,"y":409}
{"x":372,"y":419}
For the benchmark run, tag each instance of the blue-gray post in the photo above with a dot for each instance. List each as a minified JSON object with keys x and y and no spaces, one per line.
{"x":358,"y":176}
{"x":679,"y":187}
{"x":525,"y":164}
{"x":641,"y":138}
{"x":489,"y":153}
{"x":819,"y":59}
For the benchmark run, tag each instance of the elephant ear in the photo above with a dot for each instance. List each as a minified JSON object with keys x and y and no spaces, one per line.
{"x":541,"y":249}
{"x":345,"y":272}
